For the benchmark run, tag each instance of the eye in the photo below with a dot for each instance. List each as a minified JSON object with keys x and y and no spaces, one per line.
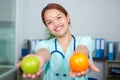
{"x":59,"y":17}
{"x":48,"y":22}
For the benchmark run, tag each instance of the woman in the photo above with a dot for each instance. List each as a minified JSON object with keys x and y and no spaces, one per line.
{"x":54,"y":54}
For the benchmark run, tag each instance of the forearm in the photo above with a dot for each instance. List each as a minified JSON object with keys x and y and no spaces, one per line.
{"x":82,"y":49}
{"x":44,"y":54}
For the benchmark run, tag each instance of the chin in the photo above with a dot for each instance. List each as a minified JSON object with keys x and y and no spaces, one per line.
{"x":59,"y":36}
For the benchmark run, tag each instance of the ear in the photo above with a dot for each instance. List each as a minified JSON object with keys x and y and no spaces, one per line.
{"x":68,"y":18}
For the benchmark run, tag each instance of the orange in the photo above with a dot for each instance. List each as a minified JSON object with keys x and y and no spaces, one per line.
{"x":78,"y":62}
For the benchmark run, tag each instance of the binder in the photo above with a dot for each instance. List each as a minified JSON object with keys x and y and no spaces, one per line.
{"x":110,"y":51}
{"x":93,"y":53}
{"x":97,"y":48}
{"x":26,"y":47}
{"x":102,"y":48}
{"x":117,"y":50}
{"x":34,"y":43}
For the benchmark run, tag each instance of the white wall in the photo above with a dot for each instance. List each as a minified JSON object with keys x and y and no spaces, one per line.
{"x":97,"y":18}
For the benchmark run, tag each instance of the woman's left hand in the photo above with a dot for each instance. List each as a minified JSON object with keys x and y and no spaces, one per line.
{"x":82,"y":73}
{"x":78,"y":74}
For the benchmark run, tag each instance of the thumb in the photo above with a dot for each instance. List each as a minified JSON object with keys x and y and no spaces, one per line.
{"x":18,"y":65}
{"x":93,"y":67}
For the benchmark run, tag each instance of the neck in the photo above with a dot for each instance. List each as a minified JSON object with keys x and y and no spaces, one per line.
{"x":64,"y":41}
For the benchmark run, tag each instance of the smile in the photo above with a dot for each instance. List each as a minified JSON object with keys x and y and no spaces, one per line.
{"x":58,"y":28}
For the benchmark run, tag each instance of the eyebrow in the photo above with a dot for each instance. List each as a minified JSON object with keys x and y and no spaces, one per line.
{"x":58,"y":15}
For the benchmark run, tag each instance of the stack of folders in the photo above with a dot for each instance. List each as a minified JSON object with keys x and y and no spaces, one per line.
{"x":28,"y":46}
{"x":99,"y":48}
{"x":34,"y":43}
{"x":117,"y":50}
{"x":110,"y":50}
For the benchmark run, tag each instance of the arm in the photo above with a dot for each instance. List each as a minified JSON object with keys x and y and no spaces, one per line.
{"x":44,"y":56}
{"x":84,"y":49}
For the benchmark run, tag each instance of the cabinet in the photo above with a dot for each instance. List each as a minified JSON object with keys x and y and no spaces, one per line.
{"x":7,"y":32}
{"x":8,"y":47}
{"x":108,"y":66}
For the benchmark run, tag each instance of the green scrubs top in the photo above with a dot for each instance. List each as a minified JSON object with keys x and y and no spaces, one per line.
{"x":57,"y":68}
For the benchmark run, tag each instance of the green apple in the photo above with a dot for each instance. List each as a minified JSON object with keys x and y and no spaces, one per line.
{"x":30,"y":65}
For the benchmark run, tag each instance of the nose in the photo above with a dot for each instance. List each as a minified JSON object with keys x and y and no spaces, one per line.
{"x":55,"y":22}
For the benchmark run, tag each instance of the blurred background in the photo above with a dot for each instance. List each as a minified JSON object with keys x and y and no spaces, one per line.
{"x":21,"y":27}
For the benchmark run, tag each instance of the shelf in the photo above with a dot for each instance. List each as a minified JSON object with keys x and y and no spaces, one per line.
{"x":99,"y":59}
{"x":113,"y":77}
{"x":113,"y":61}
{"x":110,"y":76}
{"x":108,"y":65}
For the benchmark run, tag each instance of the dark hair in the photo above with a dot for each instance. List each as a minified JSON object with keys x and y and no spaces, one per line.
{"x":53,"y":6}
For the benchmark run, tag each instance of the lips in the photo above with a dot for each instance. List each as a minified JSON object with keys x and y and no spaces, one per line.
{"x":58,"y":28}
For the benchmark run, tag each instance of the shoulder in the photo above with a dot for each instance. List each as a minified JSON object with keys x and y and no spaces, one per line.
{"x":86,"y":41}
{"x":84,"y":38}
{"x":44,"y":44}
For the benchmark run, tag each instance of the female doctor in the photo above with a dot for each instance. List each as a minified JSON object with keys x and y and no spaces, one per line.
{"x":54,"y":54}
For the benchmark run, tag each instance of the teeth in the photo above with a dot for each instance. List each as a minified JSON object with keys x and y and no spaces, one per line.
{"x":57,"y":29}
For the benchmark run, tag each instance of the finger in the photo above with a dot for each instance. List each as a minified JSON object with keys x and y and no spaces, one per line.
{"x":29,"y":75}
{"x":83,"y":73}
{"x":38,"y":73}
{"x":18,"y":65}
{"x":72,"y":74}
{"x":24,"y":75}
{"x":93,"y":67}
{"x":33,"y":76}
{"x":79,"y":74}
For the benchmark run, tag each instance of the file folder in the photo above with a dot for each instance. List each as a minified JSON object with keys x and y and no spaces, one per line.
{"x":34,"y":43}
{"x":97,"y":48}
{"x":117,"y":50}
{"x":110,"y":51}
{"x":102,"y":48}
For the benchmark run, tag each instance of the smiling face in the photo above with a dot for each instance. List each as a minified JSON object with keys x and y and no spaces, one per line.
{"x":56,"y":22}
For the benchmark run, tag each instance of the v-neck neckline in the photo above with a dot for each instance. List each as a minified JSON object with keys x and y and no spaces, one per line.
{"x":59,"y":47}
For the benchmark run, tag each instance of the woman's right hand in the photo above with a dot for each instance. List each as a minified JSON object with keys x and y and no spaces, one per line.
{"x":33,"y":76}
